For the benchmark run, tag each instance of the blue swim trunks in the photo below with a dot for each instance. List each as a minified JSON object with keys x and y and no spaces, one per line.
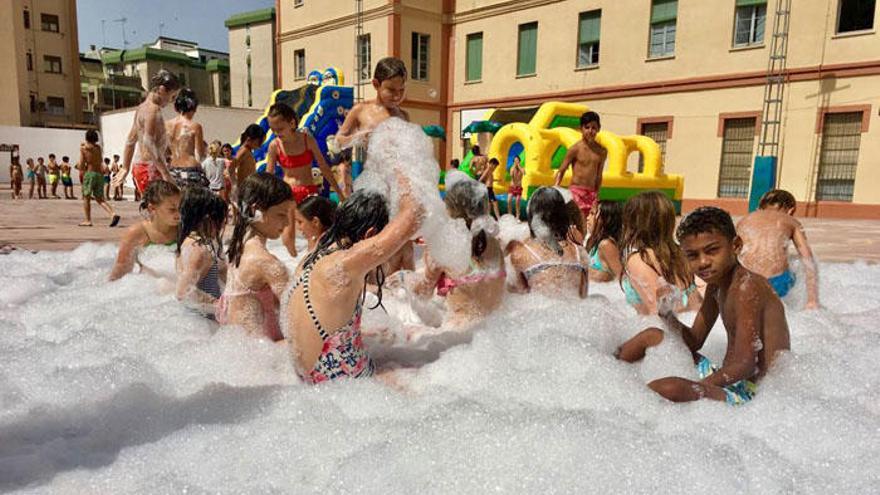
{"x":782,"y":283}
{"x":738,"y":393}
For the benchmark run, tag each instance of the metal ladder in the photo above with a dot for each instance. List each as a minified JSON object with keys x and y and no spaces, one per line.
{"x":771,"y":119}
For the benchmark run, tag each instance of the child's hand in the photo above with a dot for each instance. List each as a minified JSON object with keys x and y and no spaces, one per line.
{"x":811,"y":305}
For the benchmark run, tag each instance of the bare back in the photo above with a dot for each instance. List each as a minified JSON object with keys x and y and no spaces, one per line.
{"x":183,"y":135}
{"x":545,"y":272}
{"x":91,"y":157}
{"x":765,"y":235}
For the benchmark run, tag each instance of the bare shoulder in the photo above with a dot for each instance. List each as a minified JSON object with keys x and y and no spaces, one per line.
{"x":135,"y":235}
{"x":405,"y":115}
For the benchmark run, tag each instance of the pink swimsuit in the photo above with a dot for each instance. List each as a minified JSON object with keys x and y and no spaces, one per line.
{"x":268,"y":304}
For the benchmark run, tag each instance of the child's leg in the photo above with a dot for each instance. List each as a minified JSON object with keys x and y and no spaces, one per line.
{"x":518,"y":200}
{"x":31,"y":190}
{"x":87,"y":209}
{"x":288,"y":237}
{"x":114,"y":218}
{"x":495,"y":207}
{"x":634,"y":349}
{"x":682,"y":390}
{"x":509,"y":204}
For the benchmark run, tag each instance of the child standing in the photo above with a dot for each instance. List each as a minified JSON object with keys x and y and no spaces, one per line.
{"x":187,"y":144}
{"x":752,"y":314}
{"x":389,"y":81}
{"x":54,"y":175}
{"x":200,"y":267}
{"x":215,"y":168}
{"x":41,"y":170}
{"x":31,"y":177}
{"x":244,"y":165}
{"x":66,"y":179}
{"x":603,"y":244}
{"x":106,"y":171}
{"x":16,"y":175}
{"x":228,"y":157}
{"x":587,"y":159}
{"x":313,"y":217}
{"x":118,"y":190}
{"x":514,"y":193}
{"x":488,"y":178}
{"x":93,"y":180}
{"x":766,"y":233}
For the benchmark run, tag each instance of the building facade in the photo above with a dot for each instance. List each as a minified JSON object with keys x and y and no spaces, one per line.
{"x":252,"y":57}
{"x":39,"y":43}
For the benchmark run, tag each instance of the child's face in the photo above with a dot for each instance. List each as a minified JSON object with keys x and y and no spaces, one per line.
{"x":252,"y":143}
{"x":280,"y":126}
{"x":227,"y":152}
{"x":589,"y":131}
{"x":310,"y":228}
{"x":711,"y":255}
{"x":167,"y":212}
{"x":275,"y":219}
{"x":390,"y":92}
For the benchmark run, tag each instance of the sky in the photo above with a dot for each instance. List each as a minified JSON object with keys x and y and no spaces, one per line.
{"x":194,"y":20}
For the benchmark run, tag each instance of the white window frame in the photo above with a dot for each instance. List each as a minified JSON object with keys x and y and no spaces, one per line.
{"x":665,"y":25}
{"x":364,"y":54}
{"x":299,"y":64}
{"x":753,"y":25}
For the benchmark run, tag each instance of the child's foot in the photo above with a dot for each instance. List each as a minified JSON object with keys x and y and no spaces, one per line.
{"x":115,"y":220}
{"x":85,"y":224}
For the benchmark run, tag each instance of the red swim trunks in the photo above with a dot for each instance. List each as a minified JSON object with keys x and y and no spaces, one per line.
{"x":143,"y":174}
{"x":515,"y":191}
{"x":300,"y":193}
{"x":584,"y":197}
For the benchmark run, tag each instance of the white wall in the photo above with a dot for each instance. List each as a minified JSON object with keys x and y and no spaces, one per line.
{"x":39,"y":141}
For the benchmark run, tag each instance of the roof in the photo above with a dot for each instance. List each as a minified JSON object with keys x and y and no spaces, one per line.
{"x":217,"y":65}
{"x":252,"y":17}
{"x":146,"y":53}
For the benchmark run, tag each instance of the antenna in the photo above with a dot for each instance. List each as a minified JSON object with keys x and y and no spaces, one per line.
{"x":122,"y":20}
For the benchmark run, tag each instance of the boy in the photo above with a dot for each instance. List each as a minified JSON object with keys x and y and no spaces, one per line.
{"x":16,"y":175}
{"x":41,"y":171}
{"x":765,"y":234}
{"x":53,"y":175}
{"x":148,"y":133}
{"x":488,"y":177}
{"x":66,"y":180}
{"x":514,"y":193}
{"x":752,"y":315}
{"x":389,"y":81}
{"x":93,"y":179}
{"x":106,"y":171}
{"x":587,"y":158}
{"x":118,"y":192}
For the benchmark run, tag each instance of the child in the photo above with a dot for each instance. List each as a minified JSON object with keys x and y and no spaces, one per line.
{"x":54,"y":176}
{"x":66,"y":180}
{"x":488,"y":178}
{"x":148,"y":133}
{"x":257,"y":278}
{"x":389,"y":81}
{"x":476,"y":293}
{"x":16,"y":175}
{"x":294,"y":152}
{"x":31,"y":177}
{"x":765,"y":234}
{"x":514,"y":192}
{"x":587,"y":158}
{"x":93,"y":180}
{"x":313,"y":217}
{"x":41,"y":171}
{"x":548,"y":262}
{"x":752,"y":314}
{"x":187,"y":143}
{"x":201,"y":270}
{"x":215,"y":168}
{"x":118,"y":191}
{"x":604,"y":241}
{"x":322,"y":307}
{"x":243,"y":165}
{"x":161,"y":206}
{"x":106,"y":171}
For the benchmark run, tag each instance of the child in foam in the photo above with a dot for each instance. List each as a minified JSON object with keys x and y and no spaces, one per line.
{"x":294,"y":152}
{"x":587,"y":158}
{"x":201,"y":269}
{"x":655,"y":272}
{"x":160,"y":204}
{"x":515,"y":191}
{"x":256,"y":278}
{"x":313,"y":217}
{"x":93,"y":181}
{"x":321,"y":312}
{"x":244,"y":165}
{"x":752,"y":314}
{"x":549,"y":262}
{"x":389,"y":81}
{"x":603,"y":244}
{"x":187,"y":143}
{"x":474,"y":294}
{"x":766,"y":233}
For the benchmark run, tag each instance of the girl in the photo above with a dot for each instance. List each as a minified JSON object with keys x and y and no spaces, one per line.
{"x":313,"y":217}
{"x":160,"y":204}
{"x":655,"y":269}
{"x":187,"y":142}
{"x":31,"y":176}
{"x":548,"y":261}
{"x":16,"y":175}
{"x":477,"y":292}
{"x":294,"y":152}
{"x":226,"y":151}
{"x":215,"y":168}
{"x":201,"y":270}
{"x":243,"y":165}
{"x":602,"y":244}
{"x":256,"y":277}
{"x":322,"y":307}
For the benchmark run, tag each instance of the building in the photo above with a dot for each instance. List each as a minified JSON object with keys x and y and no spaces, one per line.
{"x":252,"y":57}
{"x":102,"y":92}
{"x":39,"y":44}
{"x":690,"y":74}
{"x":204,"y":71}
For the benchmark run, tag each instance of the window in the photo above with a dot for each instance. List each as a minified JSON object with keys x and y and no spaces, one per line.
{"x":588,"y":38}
{"x":528,"y":46}
{"x":27,"y":19}
{"x":736,"y":157}
{"x":659,"y":132}
{"x":49,"y":22}
{"x":29,"y":57}
{"x":748,"y":27}
{"x":52,"y":64}
{"x":474,"y":58}
{"x":421,"y":44}
{"x":299,"y":64}
{"x":855,"y":15}
{"x":663,"y":15}
{"x":841,"y":136}
{"x":54,"y":105}
{"x":364,"y":63}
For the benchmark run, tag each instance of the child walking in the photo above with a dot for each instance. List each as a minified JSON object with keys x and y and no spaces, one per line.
{"x":93,"y":180}
{"x":586,"y":159}
{"x":487,"y":177}
{"x":201,"y":269}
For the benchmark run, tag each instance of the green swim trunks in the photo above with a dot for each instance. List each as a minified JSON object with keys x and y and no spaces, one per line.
{"x":93,"y":185}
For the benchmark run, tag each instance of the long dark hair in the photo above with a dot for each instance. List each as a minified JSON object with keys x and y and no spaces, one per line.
{"x":186,"y":101}
{"x":253,"y":131}
{"x":260,"y":191}
{"x":608,"y":224}
{"x":548,"y":206}
{"x":204,"y":213}
{"x":156,"y":192}
{"x":318,"y":206}
{"x":362,"y":211}
{"x":466,"y":199}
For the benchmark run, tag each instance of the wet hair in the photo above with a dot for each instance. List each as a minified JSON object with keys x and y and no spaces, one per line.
{"x":547,"y":210}
{"x":165,"y":79}
{"x":706,"y":219}
{"x":253,"y":131}
{"x":576,"y":216}
{"x":778,"y":197}
{"x":493,"y":161}
{"x":649,"y":223}
{"x":466,"y":199}
{"x":40,"y":159}
{"x":320,"y":207}
{"x":260,"y":191}
{"x":284,"y":111}
{"x":475,"y":149}
{"x":204,"y":213}
{"x":214,"y":148}
{"x":91,"y":137}
{"x":116,"y":157}
{"x":362,"y":211}
{"x":454,"y":163}
{"x":608,"y":224}
{"x":516,"y":158}
{"x":389,"y":68}
{"x":156,"y":192}
{"x":186,"y":101}
{"x":65,"y":159}
{"x":51,"y":156}
{"x":226,"y":146}
{"x":588,"y":117}
{"x":106,"y":161}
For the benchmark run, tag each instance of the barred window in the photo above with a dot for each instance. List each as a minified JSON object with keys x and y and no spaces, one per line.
{"x":736,"y":157}
{"x":841,"y":137}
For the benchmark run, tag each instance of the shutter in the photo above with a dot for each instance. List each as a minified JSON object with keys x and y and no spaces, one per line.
{"x":664,"y":10}
{"x":528,"y":42}
{"x":749,"y":3}
{"x":474,"y":69}
{"x":588,"y":29}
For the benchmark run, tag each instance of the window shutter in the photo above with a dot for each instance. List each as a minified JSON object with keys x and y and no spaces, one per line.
{"x":588,"y":30}
{"x":474,"y":57}
{"x":749,"y":3}
{"x":528,"y":41}
{"x":664,"y":10}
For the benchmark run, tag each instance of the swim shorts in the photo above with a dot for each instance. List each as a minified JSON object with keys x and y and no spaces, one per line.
{"x":53,"y":178}
{"x":737,"y":393}
{"x":93,"y":186}
{"x":584,"y":197}
{"x":66,"y":180}
{"x":300,"y":193}
{"x":189,"y":176}
{"x":143,"y":174}
{"x":782,"y":283}
{"x":491,"y":193}
{"x":515,"y":191}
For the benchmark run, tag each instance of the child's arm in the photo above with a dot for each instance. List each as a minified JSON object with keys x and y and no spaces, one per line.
{"x":352,"y":121}
{"x":520,"y":285}
{"x":599,"y":171}
{"x":127,"y":154}
{"x":743,"y":363}
{"x":322,"y":165}
{"x":274,"y":274}
{"x":566,"y":162}
{"x":611,"y":257}
{"x":125,"y":258}
{"x":271,"y":156}
{"x":153,"y":132}
{"x":645,"y":281}
{"x":425,"y":287}
{"x":194,"y":264}
{"x":201,"y":146}
{"x":799,"y":238}
{"x":695,"y":336}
